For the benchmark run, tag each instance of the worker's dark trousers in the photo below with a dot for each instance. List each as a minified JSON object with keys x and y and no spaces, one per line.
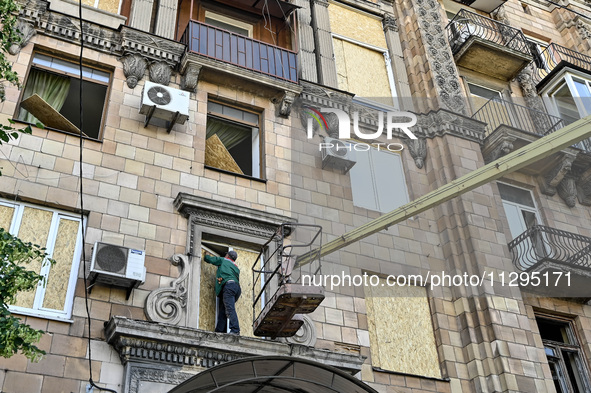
{"x":227,"y":308}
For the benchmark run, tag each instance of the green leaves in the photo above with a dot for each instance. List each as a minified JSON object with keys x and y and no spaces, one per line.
{"x":15,"y":254}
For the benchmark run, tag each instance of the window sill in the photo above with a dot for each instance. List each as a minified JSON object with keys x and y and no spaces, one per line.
{"x":40,"y":315}
{"x":236,"y":174}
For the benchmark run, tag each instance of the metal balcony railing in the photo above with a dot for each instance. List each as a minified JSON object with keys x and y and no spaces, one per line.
{"x":541,"y":244}
{"x":496,"y":112}
{"x":554,"y":56}
{"x":467,"y":24}
{"x":241,"y":51}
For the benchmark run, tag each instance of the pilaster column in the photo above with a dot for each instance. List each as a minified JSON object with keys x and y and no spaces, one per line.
{"x":327,"y":70}
{"x":166,"y":23}
{"x":308,"y":68}
{"x":397,"y":61}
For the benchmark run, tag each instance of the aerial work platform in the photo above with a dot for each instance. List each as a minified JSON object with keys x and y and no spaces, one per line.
{"x":278,"y":292}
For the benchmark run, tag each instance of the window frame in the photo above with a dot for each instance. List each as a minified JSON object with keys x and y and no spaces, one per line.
{"x":557,"y":359}
{"x":261,"y":142}
{"x":387,"y":63}
{"x":87,"y":65}
{"x":228,"y":20}
{"x":521,"y":207}
{"x":64,"y":315}
{"x":566,"y":77}
{"x":374,"y":181}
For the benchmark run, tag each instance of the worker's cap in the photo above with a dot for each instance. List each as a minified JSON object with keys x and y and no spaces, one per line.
{"x":232,"y":255}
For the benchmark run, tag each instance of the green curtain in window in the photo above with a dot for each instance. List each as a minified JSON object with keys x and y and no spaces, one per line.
{"x":229,"y":133}
{"x":52,"y":88}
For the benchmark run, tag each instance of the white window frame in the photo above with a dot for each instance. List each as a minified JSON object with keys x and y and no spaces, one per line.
{"x":387,"y":62}
{"x":38,"y":310}
{"x":520,"y":207}
{"x":230,"y":21}
{"x":567,"y":76}
{"x":360,"y":190}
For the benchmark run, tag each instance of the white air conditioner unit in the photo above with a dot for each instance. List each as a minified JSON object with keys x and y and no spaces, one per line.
{"x":337,"y":154}
{"x":118,"y":266}
{"x":165,"y":102}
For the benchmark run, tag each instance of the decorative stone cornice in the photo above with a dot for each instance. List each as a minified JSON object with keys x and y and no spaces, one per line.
{"x":237,"y":219}
{"x":153,"y":48}
{"x":139,"y":375}
{"x":168,"y":305}
{"x":163,"y":344}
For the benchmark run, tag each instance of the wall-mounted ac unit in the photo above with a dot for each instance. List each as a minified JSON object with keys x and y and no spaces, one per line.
{"x":337,"y":154}
{"x":487,"y":6}
{"x":118,"y":266}
{"x":164,"y":102}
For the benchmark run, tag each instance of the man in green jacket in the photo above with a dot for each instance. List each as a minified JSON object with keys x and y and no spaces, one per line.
{"x":227,"y":290}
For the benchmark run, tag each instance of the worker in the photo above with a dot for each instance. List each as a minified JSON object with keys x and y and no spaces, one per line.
{"x":227,"y":290}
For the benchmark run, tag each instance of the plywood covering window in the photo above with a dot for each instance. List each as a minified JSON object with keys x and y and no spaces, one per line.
{"x":207,"y":299}
{"x":233,"y":140}
{"x":400,"y":330}
{"x":377,"y":180}
{"x":60,"y":233}
{"x":57,"y":82}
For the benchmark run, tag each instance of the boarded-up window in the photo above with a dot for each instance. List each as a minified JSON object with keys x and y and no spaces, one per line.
{"x":207,"y":298}
{"x":377,"y":181}
{"x":401,"y":330}
{"x":60,"y":234}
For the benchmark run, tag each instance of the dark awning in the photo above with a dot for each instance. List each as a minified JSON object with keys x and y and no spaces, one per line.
{"x":273,"y":374}
{"x":277,"y":8}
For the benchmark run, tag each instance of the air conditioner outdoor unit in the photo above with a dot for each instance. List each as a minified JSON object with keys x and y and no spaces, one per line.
{"x":118,"y":266}
{"x":337,"y":154}
{"x":487,"y":6}
{"x":165,"y":102}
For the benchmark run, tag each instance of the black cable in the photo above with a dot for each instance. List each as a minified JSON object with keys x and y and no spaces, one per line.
{"x":81,"y":108}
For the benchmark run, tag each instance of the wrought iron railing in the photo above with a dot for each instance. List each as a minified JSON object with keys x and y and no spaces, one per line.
{"x":541,"y":244}
{"x":496,"y":112}
{"x":241,"y":51}
{"x":467,"y":24}
{"x":555,"y":55}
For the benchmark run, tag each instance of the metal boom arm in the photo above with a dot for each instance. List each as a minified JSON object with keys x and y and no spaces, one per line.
{"x":527,"y":155}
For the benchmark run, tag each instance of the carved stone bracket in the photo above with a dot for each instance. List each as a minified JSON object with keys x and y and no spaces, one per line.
{"x":567,"y":190}
{"x":134,"y":68}
{"x":502,"y":146}
{"x":25,"y":32}
{"x":190,"y":77}
{"x":418,"y":150}
{"x":552,"y":179}
{"x":284,"y":103}
{"x":584,"y":189}
{"x":138,"y":376}
{"x":160,"y":72}
{"x":168,"y":305}
{"x":389,"y":23}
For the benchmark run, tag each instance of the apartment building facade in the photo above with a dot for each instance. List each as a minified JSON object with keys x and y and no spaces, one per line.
{"x":202,"y":133}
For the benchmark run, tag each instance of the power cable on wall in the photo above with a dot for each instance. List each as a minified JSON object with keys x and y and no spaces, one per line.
{"x":81,"y":147}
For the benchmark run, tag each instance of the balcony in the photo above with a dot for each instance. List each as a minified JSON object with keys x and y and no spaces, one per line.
{"x":487,"y":46}
{"x":561,"y":259}
{"x":511,"y":126}
{"x":230,"y":51}
{"x":487,"y":6}
{"x":553,"y":59}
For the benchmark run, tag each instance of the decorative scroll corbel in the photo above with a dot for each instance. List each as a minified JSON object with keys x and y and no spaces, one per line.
{"x":503,"y":147}
{"x":160,"y":72}
{"x":389,"y":23}
{"x":25,"y":32}
{"x":134,"y":68}
{"x":584,"y":190}
{"x":567,"y":190}
{"x":552,"y":179}
{"x":284,"y":103}
{"x":168,"y":305}
{"x":190,"y":78}
{"x":418,"y":150}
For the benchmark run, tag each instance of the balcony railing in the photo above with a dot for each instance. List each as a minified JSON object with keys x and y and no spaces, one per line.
{"x":556,"y":56}
{"x":496,"y":112}
{"x":541,"y":244}
{"x":240,"y":51}
{"x":467,"y":24}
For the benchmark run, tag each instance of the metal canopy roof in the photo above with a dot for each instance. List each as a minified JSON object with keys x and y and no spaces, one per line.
{"x":273,"y":374}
